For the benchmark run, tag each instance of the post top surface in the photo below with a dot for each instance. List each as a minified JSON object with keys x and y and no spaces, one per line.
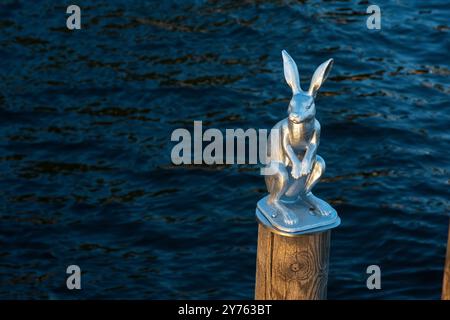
{"x":261,"y":218}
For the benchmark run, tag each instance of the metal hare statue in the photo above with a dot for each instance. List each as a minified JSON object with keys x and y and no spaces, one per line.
{"x":294,"y":167}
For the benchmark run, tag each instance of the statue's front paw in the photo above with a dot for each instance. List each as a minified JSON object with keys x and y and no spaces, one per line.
{"x":296,"y":172}
{"x":305,"y":169}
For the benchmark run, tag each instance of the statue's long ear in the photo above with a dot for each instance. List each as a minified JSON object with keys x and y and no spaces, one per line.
{"x":319,"y":77}
{"x":291,"y":72}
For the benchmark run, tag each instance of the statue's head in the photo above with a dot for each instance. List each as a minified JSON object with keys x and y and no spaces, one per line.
{"x":301,"y":106}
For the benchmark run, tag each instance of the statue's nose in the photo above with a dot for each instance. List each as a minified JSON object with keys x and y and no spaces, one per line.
{"x":294,"y":116}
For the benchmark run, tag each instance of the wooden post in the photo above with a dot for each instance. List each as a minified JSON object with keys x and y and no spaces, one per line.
{"x":292,"y":268}
{"x":446,"y":282}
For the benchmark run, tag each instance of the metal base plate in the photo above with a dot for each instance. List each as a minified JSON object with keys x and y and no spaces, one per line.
{"x":307,"y":221}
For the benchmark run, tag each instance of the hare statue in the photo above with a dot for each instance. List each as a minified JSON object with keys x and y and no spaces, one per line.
{"x":296,"y":166}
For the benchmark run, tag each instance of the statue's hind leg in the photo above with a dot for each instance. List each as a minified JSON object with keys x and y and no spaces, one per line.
{"x":277,"y":184}
{"x":316,"y":173}
{"x":319,"y":206}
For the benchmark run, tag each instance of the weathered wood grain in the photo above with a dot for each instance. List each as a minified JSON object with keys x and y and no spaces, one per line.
{"x":446,"y":281}
{"x":292,"y":268}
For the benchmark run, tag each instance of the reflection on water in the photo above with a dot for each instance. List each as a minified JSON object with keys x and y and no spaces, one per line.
{"x":86,"y":118}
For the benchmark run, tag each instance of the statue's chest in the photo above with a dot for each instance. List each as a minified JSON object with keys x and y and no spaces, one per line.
{"x":300,"y":135}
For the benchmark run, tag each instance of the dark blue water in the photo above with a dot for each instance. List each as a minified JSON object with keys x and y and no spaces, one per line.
{"x":86,"y":117}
